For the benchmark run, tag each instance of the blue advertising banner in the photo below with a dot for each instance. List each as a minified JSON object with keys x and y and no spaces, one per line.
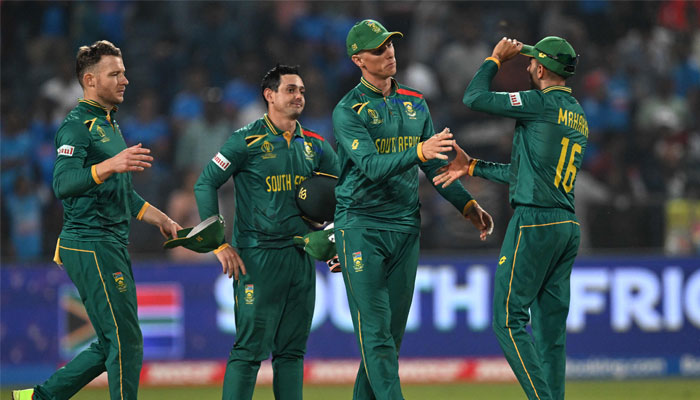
{"x":621,"y":308}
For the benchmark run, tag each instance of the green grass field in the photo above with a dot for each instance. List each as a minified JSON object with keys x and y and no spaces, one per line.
{"x":670,"y":389}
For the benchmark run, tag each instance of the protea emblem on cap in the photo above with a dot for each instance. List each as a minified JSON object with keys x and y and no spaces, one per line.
{"x":374,"y":27}
{"x":354,"y":46}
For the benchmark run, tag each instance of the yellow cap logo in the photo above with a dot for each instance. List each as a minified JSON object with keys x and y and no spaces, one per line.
{"x":302,"y":193}
{"x":542,"y":55}
{"x":354,"y":46}
{"x":374,"y":27}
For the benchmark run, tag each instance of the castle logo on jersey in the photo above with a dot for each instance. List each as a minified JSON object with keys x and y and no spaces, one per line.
{"x":119,"y":280}
{"x":375,"y":120}
{"x":65,"y":150}
{"x":410,"y":111}
{"x":515,"y":99}
{"x":221,"y":161}
{"x":249,"y":294}
{"x":267,"y":148}
{"x":357,"y":261}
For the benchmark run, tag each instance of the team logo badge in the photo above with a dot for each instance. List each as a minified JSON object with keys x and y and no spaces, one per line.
{"x":267,"y":148}
{"x":308,"y":151}
{"x":502,"y":260}
{"x":65,"y":150}
{"x":410,"y":111}
{"x":355,"y":143}
{"x":119,"y":280}
{"x":357,"y":261}
{"x":249,"y":294}
{"x":375,"y":120}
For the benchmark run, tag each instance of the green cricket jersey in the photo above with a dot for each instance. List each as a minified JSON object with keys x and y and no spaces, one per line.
{"x":379,"y":146}
{"x":551,"y":133}
{"x":92,"y":209}
{"x":267,"y":165}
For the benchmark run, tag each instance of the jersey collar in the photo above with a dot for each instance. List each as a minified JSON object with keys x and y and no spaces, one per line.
{"x":98,"y":109}
{"x":276,"y":131}
{"x":557,"y":87}
{"x":375,"y":90}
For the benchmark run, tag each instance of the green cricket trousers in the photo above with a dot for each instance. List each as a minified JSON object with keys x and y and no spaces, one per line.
{"x":274,"y":308}
{"x":532,"y":284}
{"x":379,"y":269}
{"x":102,"y":273}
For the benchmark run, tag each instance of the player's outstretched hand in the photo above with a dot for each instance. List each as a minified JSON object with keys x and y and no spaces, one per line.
{"x":438,"y":144}
{"x":131,"y":159}
{"x":231,"y":262}
{"x":456,"y":169}
{"x":481,"y":220}
{"x":506,"y":49}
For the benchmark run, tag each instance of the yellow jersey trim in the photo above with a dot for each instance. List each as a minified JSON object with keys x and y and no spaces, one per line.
{"x":255,"y":138}
{"x":556,"y":87}
{"x":95,"y":177}
{"x":472,"y":165}
{"x":56,"y":254}
{"x":269,"y":124}
{"x":111,"y":310}
{"x":221,"y":248}
{"x":362,"y":105}
{"x":324,"y":174}
{"x":494,"y":59}
{"x":419,"y":150}
{"x":92,"y":123}
{"x":510,"y":284}
{"x":96,"y":104}
{"x":142,"y":211}
{"x":471,"y":203}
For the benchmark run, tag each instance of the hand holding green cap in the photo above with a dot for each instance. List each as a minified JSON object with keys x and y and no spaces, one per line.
{"x":367,"y":35}
{"x":208,"y":235}
{"x":555,"y":53}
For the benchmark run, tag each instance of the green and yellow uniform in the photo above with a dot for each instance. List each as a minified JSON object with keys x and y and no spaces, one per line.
{"x":275,"y":299}
{"x":542,"y":239}
{"x":92,"y":247}
{"x":377,"y":220}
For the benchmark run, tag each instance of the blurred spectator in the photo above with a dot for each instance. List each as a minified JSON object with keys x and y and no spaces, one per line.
{"x":149,"y":127}
{"x":16,"y":150}
{"x":188,"y":104}
{"x":24,"y":210}
{"x":63,"y":89}
{"x":203,"y":135}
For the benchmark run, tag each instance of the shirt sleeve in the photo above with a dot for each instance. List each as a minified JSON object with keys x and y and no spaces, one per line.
{"x":222,"y":166}
{"x":492,"y":171}
{"x":352,"y":136}
{"x":71,"y":177}
{"x":456,"y":194}
{"x":329,"y":160}
{"x":525,"y":105}
{"x":136,"y":203}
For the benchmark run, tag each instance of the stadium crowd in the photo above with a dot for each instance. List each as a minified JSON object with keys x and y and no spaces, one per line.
{"x":194,"y":72}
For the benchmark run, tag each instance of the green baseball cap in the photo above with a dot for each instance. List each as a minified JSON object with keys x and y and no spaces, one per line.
{"x":367,"y":35}
{"x":319,"y":244}
{"x":315,"y":197}
{"x":208,"y":235}
{"x":555,"y":53}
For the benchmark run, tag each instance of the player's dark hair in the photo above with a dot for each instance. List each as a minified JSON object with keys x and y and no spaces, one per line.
{"x":272,"y":78}
{"x":88,"y":56}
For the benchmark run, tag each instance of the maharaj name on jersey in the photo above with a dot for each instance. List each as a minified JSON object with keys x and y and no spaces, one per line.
{"x":574,"y":121}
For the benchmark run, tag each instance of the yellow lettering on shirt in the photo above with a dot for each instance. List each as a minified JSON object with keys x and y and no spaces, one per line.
{"x":279,"y":183}
{"x":573,"y":120}
{"x":395,"y":144}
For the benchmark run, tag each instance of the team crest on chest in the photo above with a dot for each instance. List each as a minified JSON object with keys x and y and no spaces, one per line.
{"x":410,"y":111}
{"x":268,"y":150}
{"x":374,"y":117}
{"x":308,"y":151}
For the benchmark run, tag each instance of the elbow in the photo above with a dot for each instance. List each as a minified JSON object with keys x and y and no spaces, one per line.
{"x":59,"y":191}
{"x":469,"y":99}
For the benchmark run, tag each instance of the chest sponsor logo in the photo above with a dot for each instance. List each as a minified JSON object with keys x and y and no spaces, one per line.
{"x":249,"y":294}
{"x":374,"y":117}
{"x":65,"y":150}
{"x":410,"y":111}
{"x":515,"y":99}
{"x":221,"y":161}
{"x":357,"y":261}
{"x":308,"y":151}
{"x":267,"y":148}
{"x":119,"y":281}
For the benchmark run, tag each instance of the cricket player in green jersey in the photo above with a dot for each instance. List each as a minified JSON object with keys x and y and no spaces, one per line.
{"x":274,"y":281}
{"x":542,"y":239}
{"x":384,"y":133}
{"x":92,"y":176}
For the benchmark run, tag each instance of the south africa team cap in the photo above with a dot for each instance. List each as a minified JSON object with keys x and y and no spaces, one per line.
{"x":555,"y":53}
{"x":208,"y":235}
{"x":367,"y":35}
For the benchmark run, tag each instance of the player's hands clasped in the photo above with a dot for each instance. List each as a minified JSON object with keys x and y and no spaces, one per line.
{"x":231,"y":262}
{"x":506,"y":49}
{"x":131,"y":159}
{"x":481,"y":220}
{"x":456,"y":169}
{"x":438,"y":144}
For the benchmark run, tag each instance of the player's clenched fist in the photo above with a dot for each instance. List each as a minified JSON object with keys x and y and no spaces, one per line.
{"x":506,"y":49}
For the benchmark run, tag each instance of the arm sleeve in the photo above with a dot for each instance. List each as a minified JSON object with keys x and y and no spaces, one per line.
{"x":519,"y":105}
{"x":329,"y":160}
{"x":71,"y":177}
{"x":217,"y":171}
{"x":353,"y":137}
{"x":492,"y":171}
{"x":137,"y":204}
{"x":456,"y":194}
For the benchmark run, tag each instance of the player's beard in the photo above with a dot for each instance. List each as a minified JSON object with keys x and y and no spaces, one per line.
{"x":533,"y":85}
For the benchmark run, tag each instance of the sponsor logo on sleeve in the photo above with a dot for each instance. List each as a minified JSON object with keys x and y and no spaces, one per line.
{"x":515,"y":100}
{"x":65,"y":150}
{"x":221,"y":161}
